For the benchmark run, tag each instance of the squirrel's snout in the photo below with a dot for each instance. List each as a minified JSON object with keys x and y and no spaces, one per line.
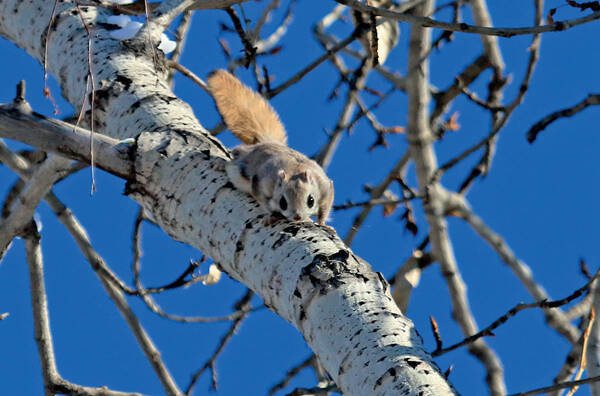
{"x":297,"y":217}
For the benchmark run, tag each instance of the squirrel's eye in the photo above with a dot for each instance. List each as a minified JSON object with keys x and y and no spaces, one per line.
{"x":310,"y":201}
{"x":283,"y":203}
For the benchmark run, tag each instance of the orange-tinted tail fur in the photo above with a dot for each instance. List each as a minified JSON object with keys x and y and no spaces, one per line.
{"x":247,"y":114}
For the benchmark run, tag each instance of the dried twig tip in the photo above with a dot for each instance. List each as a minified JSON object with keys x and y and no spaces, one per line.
{"x":20,"y":96}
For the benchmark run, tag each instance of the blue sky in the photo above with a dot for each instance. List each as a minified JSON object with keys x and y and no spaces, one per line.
{"x":541,"y":198}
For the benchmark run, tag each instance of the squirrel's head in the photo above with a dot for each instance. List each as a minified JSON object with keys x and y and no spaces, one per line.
{"x":296,"y":196}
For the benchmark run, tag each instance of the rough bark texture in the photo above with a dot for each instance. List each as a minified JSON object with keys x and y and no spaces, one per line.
{"x":302,"y":271}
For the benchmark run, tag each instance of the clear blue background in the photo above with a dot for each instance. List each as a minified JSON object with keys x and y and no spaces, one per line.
{"x":541,"y":198}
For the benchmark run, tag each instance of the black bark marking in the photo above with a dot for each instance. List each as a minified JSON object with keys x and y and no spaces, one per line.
{"x":391,"y":372}
{"x":126,"y":81}
{"x":341,"y":255}
{"x":162,"y":149}
{"x":285,"y":235}
{"x":293,"y":230}
{"x":302,"y":314}
{"x":412,"y":363}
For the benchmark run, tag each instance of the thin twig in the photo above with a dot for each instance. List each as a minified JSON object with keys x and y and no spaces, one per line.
{"x":358,"y":32}
{"x":364,"y":111}
{"x":291,"y":373}
{"x":555,"y":318}
{"x":189,"y":74}
{"x":92,"y":84}
{"x":180,"y":37}
{"x":374,"y":202}
{"x":590,"y":100}
{"x":512,"y":312}
{"x":583,"y":361}
{"x":265,"y":45}
{"x":464,"y":79}
{"x":47,"y":92}
{"x":265,"y":15}
{"x":149,"y":301}
{"x":243,"y":305}
{"x":249,"y":47}
{"x":395,"y":78}
{"x":562,"y":385}
{"x":496,"y":87}
{"x":377,"y":192}
{"x":436,"y":333}
{"x":356,"y":84}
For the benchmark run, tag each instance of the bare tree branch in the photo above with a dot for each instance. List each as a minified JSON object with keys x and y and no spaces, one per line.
{"x":180,"y":36}
{"x":377,"y":192}
{"x":590,"y":100}
{"x":109,"y":280}
{"x":56,"y":136}
{"x":562,"y":385}
{"x":149,"y":301}
{"x":420,"y":138}
{"x":291,"y":373}
{"x":53,"y":383}
{"x":465,"y":28}
{"x":358,"y":32}
{"x":22,"y":211}
{"x":555,"y":318}
{"x":243,"y":305}
{"x":545,"y":304}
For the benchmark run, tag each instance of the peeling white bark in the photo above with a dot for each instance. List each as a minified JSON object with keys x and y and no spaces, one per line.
{"x":303,"y":272}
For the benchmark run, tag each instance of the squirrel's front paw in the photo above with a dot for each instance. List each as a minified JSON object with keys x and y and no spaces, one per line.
{"x":327,"y":227}
{"x":272,"y":218}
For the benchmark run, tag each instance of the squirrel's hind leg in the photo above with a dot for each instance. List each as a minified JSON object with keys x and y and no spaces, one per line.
{"x":237,"y":176}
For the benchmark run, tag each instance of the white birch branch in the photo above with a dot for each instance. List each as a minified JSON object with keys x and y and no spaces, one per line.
{"x":481,"y":16}
{"x":53,"y":383}
{"x":303,"y":272}
{"x":22,"y":211}
{"x":111,"y":283}
{"x":420,"y":138}
{"x":56,"y":136}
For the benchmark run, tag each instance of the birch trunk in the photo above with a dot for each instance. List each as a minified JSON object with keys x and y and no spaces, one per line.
{"x":303,"y":272}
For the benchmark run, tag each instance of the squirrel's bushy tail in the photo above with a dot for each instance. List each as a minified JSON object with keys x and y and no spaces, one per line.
{"x":247,"y":114}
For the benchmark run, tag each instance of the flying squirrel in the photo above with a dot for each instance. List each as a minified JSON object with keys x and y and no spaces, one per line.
{"x":284,"y":181}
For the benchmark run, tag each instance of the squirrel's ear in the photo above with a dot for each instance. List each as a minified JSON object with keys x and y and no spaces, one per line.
{"x":303,"y":176}
{"x":281,"y":174}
